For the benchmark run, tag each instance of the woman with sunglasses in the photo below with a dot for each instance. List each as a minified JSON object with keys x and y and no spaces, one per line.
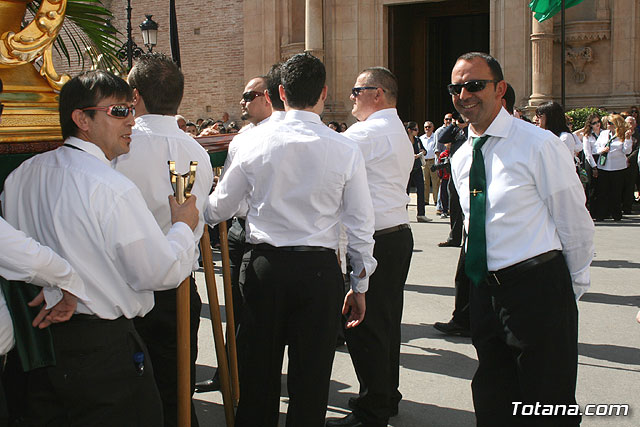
{"x":416,"y":178}
{"x":612,"y":145}
{"x":590,"y":132}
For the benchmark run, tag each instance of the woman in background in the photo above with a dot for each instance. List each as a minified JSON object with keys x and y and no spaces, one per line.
{"x":590,"y":133}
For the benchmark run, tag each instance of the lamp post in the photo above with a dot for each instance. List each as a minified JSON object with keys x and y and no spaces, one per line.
{"x":129,"y":49}
{"x":149,"y":30}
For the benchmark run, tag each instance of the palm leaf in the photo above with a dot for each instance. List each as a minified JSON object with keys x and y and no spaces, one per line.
{"x":88,"y":29}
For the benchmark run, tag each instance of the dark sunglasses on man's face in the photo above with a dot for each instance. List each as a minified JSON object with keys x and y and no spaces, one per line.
{"x":117,"y":111}
{"x":597,"y":122}
{"x":356,"y":90}
{"x":251,"y":95}
{"x":470,"y":86}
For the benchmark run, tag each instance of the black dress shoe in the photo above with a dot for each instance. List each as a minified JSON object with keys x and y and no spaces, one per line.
{"x":453,"y":329}
{"x":208,"y":385}
{"x":349,"y":421}
{"x":353,"y":404}
{"x":448,"y":244}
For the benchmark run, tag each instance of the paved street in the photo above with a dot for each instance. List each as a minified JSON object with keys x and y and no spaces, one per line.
{"x":436,"y":370}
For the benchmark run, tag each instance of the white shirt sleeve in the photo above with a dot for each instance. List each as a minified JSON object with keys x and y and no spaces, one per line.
{"x":228,"y":195}
{"x":22,"y":258}
{"x":146,"y":258}
{"x":358,"y":220}
{"x":588,"y":154}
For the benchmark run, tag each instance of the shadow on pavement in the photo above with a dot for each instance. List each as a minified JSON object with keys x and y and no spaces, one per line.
{"x":612,"y":353}
{"x":614,"y":263}
{"x":429,"y":289}
{"x":626,"y":300}
{"x":440,"y":361}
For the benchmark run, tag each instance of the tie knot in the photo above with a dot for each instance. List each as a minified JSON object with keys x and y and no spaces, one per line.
{"x":478,"y":142}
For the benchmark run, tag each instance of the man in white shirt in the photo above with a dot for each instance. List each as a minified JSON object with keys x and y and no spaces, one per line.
{"x":374,"y":346}
{"x":73,"y":201}
{"x":431,"y":178}
{"x":534,"y":262}
{"x":301,"y":181}
{"x":254,"y":105}
{"x":158,"y":86}
{"x":236,"y":235}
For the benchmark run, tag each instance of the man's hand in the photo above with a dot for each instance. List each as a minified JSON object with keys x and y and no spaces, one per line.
{"x":356,"y":303}
{"x":61,"y":312}
{"x":186,"y":212}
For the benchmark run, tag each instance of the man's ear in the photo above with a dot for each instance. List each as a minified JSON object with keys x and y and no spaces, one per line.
{"x":283,"y":96}
{"x":81,"y":119}
{"x":136,"y":97}
{"x":501,"y":88}
{"x":323,"y":95}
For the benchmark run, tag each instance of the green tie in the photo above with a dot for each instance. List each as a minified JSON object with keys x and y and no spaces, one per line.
{"x":476,"y":257}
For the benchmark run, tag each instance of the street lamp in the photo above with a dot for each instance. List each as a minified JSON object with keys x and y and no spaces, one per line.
{"x":149,"y":32}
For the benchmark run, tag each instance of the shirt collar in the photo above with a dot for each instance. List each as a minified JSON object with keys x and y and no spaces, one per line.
{"x":277,"y":115}
{"x":88,"y":147}
{"x":499,"y":127}
{"x":263,"y":121}
{"x":386,"y":112}
{"x":304,"y":116}
{"x":159,"y":123}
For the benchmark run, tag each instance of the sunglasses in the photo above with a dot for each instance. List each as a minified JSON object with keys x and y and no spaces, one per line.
{"x":251,"y":95}
{"x":414,"y":129}
{"x":356,"y":90}
{"x":597,"y":122}
{"x":470,"y":86}
{"x":428,"y":127}
{"x":610,"y":124}
{"x":117,"y":111}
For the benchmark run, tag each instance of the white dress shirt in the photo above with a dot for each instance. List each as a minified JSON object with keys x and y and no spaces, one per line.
{"x":535,"y":202}
{"x":301,"y":180}
{"x":233,"y":148}
{"x":589,"y":148}
{"x":429,"y":144}
{"x":388,"y":158}
{"x":156,"y":139}
{"x":616,"y":159}
{"x":24,"y":259}
{"x":74,"y":202}
{"x":572,"y":142}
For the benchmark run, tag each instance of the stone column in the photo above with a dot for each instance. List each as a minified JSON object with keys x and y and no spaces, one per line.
{"x":313,"y":28}
{"x":541,"y":62}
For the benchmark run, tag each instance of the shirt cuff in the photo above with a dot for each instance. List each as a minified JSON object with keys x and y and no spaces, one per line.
{"x":52,"y":296}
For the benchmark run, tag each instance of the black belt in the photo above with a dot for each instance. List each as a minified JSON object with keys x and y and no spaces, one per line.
{"x":508,"y":274}
{"x":80,"y":317}
{"x":391,"y":230}
{"x":271,"y":248}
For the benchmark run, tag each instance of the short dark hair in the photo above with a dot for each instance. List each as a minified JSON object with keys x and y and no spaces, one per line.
{"x":160,"y":83}
{"x":303,"y":77}
{"x":383,"y":78}
{"x":555,"y":120}
{"x":87,"y":90}
{"x":273,"y":83}
{"x":494,"y":65}
{"x":410,"y":125}
{"x":509,"y":98}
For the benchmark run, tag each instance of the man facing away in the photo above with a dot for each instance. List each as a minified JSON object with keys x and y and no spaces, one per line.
{"x":73,"y":201}
{"x":301,"y":181}
{"x":374,"y":346}
{"x":158,"y":86}
{"x":529,"y":247}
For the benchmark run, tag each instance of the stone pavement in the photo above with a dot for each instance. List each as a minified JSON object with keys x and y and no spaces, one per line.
{"x":436,"y":370}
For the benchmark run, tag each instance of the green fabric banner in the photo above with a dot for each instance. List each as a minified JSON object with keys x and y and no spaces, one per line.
{"x":544,"y":9}
{"x":34,"y":345}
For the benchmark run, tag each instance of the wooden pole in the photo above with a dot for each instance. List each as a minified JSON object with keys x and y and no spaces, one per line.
{"x":228,"y":303}
{"x":216,"y":323}
{"x":183,"y":330}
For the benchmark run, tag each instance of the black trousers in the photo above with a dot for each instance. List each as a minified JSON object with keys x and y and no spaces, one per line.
{"x":455,"y":216}
{"x":462,"y":287}
{"x":374,"y":345}
{"x":95,"y":381}
{"x":292,"y":298}
{"x":417,"y":179}
{"x":609,"y":194}
{"x":158,"y":330}
{"x":629,"y":184}
{"x":526,"y":335}
{"x":236,"y":238}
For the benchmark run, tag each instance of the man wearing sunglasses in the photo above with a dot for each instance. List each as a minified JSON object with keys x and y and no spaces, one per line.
{"x":158,"y":87}
{"x":374,"y":346}
{"x":72,"y":200}
{"x":301,"y":181}
{"x":237,"y":234}
{"x":528,"y":250}
{"x":254,"y":105}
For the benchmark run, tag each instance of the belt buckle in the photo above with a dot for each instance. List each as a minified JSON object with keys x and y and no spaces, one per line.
{"x":495,"y":279}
